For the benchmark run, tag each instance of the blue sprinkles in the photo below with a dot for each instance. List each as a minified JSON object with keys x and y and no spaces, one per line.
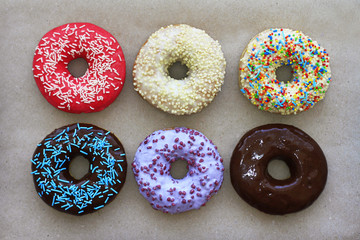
{"x":65,"y":194}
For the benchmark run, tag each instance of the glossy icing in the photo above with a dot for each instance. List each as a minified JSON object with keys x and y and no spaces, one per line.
{"x":106,"y":176}
{"x":306,"y":161}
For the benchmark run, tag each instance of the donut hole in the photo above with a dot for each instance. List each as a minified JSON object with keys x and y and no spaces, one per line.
{"x":78,"y":67}
{"x":179,"y":169}
{"x":279,"y":169}
{"x":284,"y":73}
{"x":79,"y":167}
{"x":178,"y":70}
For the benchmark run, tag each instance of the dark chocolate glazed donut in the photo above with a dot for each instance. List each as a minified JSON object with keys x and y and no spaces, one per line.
{"x":106,"y":176}
{"x":304,"y":157}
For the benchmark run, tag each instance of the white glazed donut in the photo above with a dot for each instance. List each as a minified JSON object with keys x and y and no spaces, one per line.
{"x":152,"y":164}
{"x":273,"y":48}
{"x":193,"y":48}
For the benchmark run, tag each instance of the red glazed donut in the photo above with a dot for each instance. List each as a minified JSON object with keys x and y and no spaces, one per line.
{"x":102,"y":82}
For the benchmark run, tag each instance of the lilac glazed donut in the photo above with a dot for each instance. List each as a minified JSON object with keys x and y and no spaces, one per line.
{"x":152,"y":164}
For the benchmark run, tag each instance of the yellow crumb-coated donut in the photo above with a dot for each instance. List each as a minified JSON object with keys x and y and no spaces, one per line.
{"x":192,"y":47}
{"x":273,"y":48}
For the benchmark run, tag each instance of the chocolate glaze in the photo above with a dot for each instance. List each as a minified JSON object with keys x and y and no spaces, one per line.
{"x":251,"y":180}
{"x":99,"y":176}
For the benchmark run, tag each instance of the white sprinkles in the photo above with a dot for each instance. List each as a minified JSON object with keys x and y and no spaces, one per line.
{"x":68,"y":42}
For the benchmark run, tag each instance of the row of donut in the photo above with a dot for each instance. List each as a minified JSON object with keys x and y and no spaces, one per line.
{"x":152,"y":164}
{"x":202,"y":55}
{"x":104,"y":80}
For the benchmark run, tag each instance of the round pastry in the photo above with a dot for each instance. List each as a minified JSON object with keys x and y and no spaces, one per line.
{"x":304,"y":157}
{"x":106,"y":176}
{"x":273,"y":48}
{"x":192,"y":47}
{"x":103,"y":80}
{"x":152,"y":166}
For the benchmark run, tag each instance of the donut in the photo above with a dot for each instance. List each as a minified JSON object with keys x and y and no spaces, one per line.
{"x":304,"y":157}
{"x":103,"y":80}
{"x":192,"y":47}
{"x":107,"y":172}
{"x":273,"y":48}
{"x":152,"y":164}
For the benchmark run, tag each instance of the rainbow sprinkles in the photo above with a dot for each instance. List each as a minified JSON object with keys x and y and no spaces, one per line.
{"x":276,"y":47}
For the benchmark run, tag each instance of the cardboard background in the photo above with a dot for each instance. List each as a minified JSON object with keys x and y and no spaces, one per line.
{"x":26,"y":118}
